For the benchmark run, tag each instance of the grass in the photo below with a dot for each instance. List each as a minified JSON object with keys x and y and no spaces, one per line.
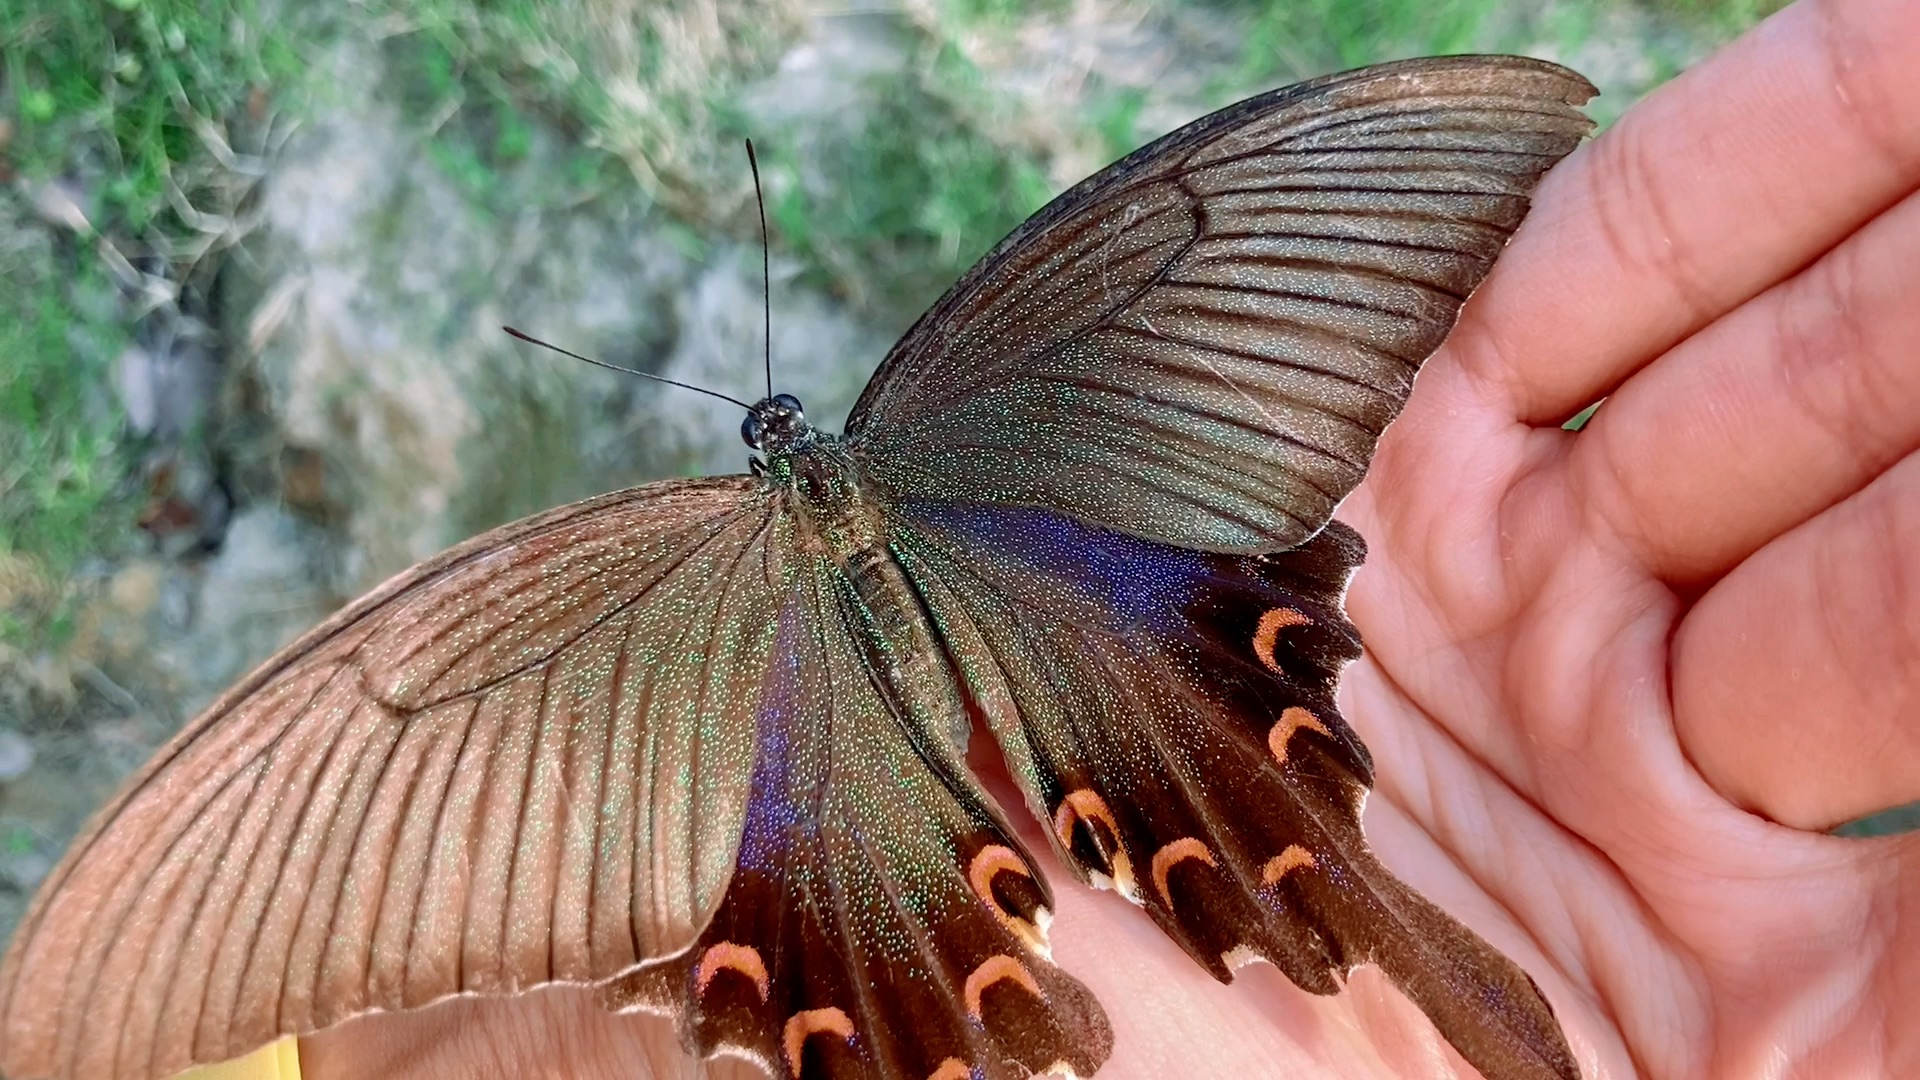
{"x":1298,"y":38}
{"x":132,"y":90}
{"x":1725,"y":19}
{"x":457,"y":70}
{"x":135,"y":109}
{"x":639,"y":82}
{"x":1311,"y":36}
{"x":63,"y":458}
{"x":918,"y":193}
{"x":58,"y":433}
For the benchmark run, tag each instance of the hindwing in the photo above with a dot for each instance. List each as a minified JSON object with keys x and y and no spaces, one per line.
{"x":1171,"y":716}
{"x":881,"y":923}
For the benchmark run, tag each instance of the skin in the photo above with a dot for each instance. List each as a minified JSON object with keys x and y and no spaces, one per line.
{"x":1618,"y":682}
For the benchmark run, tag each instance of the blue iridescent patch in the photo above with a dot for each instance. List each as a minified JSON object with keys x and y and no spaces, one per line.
{"x":772,"y":812}
{"x":1137,"y":582}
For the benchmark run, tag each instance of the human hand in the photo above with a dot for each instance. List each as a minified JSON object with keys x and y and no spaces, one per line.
{"x":1613,"y":677}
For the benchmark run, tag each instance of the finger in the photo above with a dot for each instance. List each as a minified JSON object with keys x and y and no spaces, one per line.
{"x":1796,"y":679}
{"x":1719,"y":184}
{"x":1769,"y":416}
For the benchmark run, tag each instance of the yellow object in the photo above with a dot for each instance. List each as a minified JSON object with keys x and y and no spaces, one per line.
{"x":274,"y":1061}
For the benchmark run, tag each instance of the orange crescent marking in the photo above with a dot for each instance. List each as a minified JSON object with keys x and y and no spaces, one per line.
{"x":1186,"y":847}
{"x":997,"y":969}
{"x":742,"y":958}
{"x":812,"y":1021}
{"x":994,"y":859}
{"x":1085,"y":803}
{"x":1291,"y":720}
{"x":989,"y":861}
{"x":1269,"y":629}
{"x":1293,"y":858}
{"x":952,"y":1069}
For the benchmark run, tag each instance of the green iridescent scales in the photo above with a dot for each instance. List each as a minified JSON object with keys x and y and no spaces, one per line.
{"x":702,"y":743}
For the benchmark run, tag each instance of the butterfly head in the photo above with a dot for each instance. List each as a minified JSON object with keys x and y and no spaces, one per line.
{"x":777,"y":425}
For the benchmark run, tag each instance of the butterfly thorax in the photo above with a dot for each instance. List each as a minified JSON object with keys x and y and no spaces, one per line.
{"x":833,"y":513}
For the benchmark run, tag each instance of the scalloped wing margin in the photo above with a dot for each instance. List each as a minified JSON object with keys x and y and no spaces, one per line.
{"x":1170,"y":716}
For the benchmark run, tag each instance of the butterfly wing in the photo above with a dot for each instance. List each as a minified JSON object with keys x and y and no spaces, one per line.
{"x":636,"y":729}
{"x":480,"y":778}
{"x":1201,"y":343}
{"x":883,"y":923}
{"x":1171,"y":714}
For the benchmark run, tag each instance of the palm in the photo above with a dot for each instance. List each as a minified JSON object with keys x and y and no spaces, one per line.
{"x":1601,"y":666}
{"x":1601,"y":662}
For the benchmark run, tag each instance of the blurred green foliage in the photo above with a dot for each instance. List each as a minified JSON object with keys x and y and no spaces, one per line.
{"x":459,"y":71}
{"x":60,"y":449}
{"x":1299,"y":38}
{"x":638,"y":82}
{"x":124,"y":103}
{"x":1328,"y":35}
{"x":121,"y":87}
{"x":918,"y":193}
{"x":1724,"y":18}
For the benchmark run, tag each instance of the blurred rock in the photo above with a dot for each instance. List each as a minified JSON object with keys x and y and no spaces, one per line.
{"x":388,"y":362}
{"x":267,"y":585}
{"x":187,"y":505}
{"x":821,"y":355}
{"x":16,"y":755}
{"x":832,"y":76}
{"x":135,"y":588}
{"x":166,"y":389}
{"x":49,"y":675}
{"x":25,"y":870}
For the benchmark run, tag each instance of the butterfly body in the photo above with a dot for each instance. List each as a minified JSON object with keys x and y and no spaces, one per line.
{"x":840,"y":520}
{"x":819,"y":483}
{"x":702,"y":743}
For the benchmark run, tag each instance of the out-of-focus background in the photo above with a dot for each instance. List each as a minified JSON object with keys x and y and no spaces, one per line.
{"x":254,"y":255}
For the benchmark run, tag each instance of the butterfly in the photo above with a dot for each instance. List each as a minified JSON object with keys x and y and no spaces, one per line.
{"x":701,"y":743}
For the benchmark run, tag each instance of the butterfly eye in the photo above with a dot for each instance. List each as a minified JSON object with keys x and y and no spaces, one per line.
{"x":790,"y":402}
{"x":751,"y":430}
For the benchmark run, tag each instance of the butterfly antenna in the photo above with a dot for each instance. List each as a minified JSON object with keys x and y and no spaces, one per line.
{"x":531,"y":340}
{"x":766,"y":262}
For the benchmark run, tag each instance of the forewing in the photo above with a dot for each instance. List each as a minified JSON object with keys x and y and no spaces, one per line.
{"x":1170,"y":714}
{"x":510,"y":766}
{"x":882,"y":924}
{"x":1201,"y":343}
